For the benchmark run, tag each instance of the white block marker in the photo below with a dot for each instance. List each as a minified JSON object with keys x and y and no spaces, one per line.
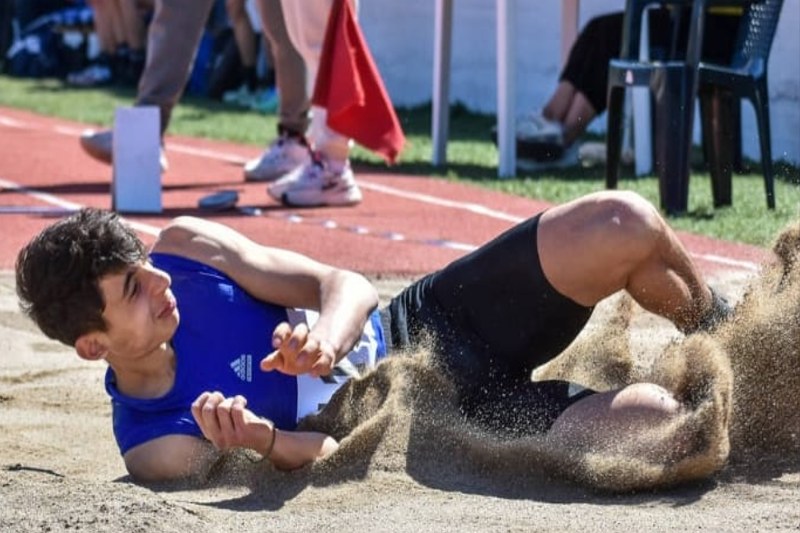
{"x":136,"y":185}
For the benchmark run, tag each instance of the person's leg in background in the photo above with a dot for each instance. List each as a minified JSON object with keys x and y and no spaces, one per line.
{"x":247,"y":46}
{"x":328,"y":180}
{"x":581,"y":92}
{"x":132,"y":14}
{"x":289,"y":153}
{"x":172,"y":41}
{"x":107,"y":27}
{"x":570,"y":108}
{"x":586,"y":77}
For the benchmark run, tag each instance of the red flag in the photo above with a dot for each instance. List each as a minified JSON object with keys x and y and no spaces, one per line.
{"x":349,"y":86}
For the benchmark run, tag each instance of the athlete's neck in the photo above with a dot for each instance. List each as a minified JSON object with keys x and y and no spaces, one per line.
{"x":150,"y":376}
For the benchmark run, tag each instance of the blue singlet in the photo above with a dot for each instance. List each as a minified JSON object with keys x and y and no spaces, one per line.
{"x":222,"y":336}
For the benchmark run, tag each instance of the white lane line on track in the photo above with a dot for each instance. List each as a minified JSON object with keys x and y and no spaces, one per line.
{"x":204,"y":152}
{"x":474,"y":208}
{"x":14,"y":123}
{"x":727,"y":261}
{"x":70,"y":206}
{"x":68,"y":130}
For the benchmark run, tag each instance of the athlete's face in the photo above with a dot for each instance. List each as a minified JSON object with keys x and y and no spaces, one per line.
{"x":141,"y":312}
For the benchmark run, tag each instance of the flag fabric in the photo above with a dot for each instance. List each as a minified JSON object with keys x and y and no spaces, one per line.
{"x":350,"y":87}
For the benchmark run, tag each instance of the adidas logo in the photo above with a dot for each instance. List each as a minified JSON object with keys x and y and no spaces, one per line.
{"x":242,"y":366}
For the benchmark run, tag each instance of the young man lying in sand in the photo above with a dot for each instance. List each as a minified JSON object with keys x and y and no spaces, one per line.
{"x":181,"y":327}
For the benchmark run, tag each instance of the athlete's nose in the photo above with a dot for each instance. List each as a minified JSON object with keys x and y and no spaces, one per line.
{"x":159,"y":280}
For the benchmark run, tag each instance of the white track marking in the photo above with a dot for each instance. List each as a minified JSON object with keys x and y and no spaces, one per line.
{"x":69,"y":206}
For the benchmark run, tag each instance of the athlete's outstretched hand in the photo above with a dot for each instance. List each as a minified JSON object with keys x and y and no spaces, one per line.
{"x":299,"y":352}
{"x":227,"y":422}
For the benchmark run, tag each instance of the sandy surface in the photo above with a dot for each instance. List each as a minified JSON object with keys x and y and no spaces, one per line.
{"x":60,"y":469}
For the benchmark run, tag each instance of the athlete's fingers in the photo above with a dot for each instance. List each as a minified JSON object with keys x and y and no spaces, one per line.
{"x":238,"y":412}
{"x":197,"y":411}
{"x":307,"y":355}
{"x":197,"y":404}
{"x":281,"y":334}
{"x":209,"y":416}
{"x":325,"y":360}
{"x":226,"y":430}
{"x":273,"y":361}
{"x":207,"y":420}
{"x":287,"y":349}
{"x":297,"y":340}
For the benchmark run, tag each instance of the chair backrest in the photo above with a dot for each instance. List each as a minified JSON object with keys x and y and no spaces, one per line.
{"x":756,"y":35}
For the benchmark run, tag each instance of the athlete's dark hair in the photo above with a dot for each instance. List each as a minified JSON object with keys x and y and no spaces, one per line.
{"x":58,"y":272}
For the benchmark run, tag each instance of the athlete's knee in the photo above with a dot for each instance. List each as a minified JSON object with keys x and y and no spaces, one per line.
{"x":631,"y":219}
{"x":647,"y":399}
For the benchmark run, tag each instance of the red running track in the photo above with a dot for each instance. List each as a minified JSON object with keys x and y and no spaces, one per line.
{"x":406,"y":225}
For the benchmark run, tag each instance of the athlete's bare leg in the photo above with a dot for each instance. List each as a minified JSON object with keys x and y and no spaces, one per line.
{"x":631,"y":421}
{"x":599,"y":244}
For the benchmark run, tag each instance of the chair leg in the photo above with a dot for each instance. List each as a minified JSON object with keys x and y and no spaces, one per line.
{"x":673,"y":113}
{"x":736,"y":121}
{"x":718,"y":137}
{"x":761,"y":105}
{"x":616,"y":99}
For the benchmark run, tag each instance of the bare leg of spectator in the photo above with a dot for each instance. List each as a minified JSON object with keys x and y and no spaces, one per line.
{"x":245,"y":41}
{"x":135,"y":33}
{"x":571,"y":109}
{"x":329,"y":180}
{"x":106,"y":27}
{"x":172,"y":42}
{"x":290,"y":151}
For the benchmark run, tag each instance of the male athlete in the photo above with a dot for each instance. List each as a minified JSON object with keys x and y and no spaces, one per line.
{"x":209,"y":348}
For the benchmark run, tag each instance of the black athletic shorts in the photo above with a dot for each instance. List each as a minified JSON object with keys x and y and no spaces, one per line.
{"x":494,"y":318}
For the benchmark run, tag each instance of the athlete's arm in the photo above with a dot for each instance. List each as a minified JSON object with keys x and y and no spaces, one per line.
{"x":228,"y":424}
{"x":170,"y":457}
{"x":343,"y":298}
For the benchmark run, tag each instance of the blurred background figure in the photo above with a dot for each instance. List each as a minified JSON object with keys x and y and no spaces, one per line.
{"x":119,"y":26}
{"x":546,"y":138}
{"x":327,"y":179}
{"x":173,"y":40}
{"x":255,"y":92}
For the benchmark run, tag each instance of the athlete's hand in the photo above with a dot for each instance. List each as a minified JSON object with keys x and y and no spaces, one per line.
{"x":299,"y":352}
{"x":227,"y":423}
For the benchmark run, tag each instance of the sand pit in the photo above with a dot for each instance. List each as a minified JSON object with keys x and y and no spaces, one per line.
{"x":400,"y":467}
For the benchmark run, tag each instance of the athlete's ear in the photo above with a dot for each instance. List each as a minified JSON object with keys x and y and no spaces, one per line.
{"x":91,"y":346}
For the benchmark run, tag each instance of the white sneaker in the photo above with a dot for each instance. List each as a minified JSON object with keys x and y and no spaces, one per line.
{"x":537,"y":129}
{"x":317,"y":184}
{"x":283,"y":156}
{"x":99,"y":145}
{"x":594,"y":154}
